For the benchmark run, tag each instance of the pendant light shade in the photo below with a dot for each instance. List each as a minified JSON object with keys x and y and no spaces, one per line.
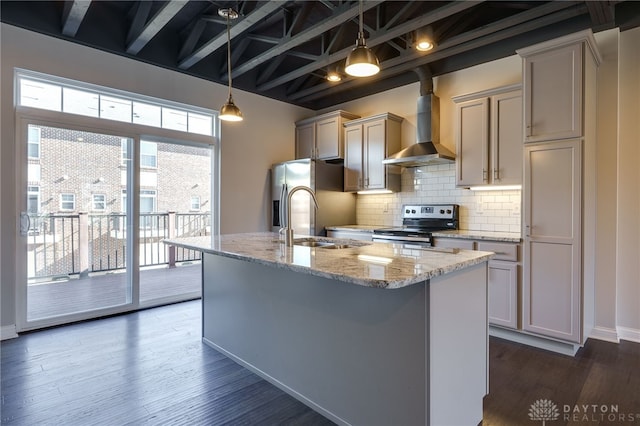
{"x":229,"y":111}
{"x":361,"y":62}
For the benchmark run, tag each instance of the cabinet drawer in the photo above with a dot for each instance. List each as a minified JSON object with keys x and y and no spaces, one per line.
{"x":503,"y":251}
{"x":458,"y":243}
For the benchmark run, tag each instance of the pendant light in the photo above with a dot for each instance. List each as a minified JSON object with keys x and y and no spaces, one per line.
{"x":229,"y":111}
{"x":361,"y":62}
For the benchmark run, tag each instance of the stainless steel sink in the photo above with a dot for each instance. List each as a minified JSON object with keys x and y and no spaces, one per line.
{"x":313,"y":243}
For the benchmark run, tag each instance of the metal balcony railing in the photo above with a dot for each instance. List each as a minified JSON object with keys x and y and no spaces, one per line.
{"x":62,"y":245}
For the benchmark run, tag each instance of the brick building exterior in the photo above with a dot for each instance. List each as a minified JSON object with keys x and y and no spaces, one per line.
{"x":89,"y":168}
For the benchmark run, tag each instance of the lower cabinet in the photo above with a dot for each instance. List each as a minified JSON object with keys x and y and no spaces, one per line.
{"x":503,"y":293}
{"x":504,"y":278}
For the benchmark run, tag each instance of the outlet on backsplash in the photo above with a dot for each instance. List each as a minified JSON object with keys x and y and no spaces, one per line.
{"x":479,"y":210}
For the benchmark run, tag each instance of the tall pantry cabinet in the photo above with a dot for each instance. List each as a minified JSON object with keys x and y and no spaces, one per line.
{"x":559,"y":89}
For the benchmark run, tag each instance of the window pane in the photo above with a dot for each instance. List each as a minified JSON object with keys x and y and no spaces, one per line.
{"x":80,"y":102}
{"x":200,"y":124}
{"x":33,"y":145}
{"x":195,"y":203}
{"x":99,"y":202}
{"x":67,"y":201}
{"x":115,"y":109}
{"x":174,"y":119}
{"x":148,"y":154}
{"x":146,"y":114}
{"x":40,"y":95}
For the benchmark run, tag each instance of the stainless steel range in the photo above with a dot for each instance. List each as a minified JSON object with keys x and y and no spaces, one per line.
{"x":419,"y":221}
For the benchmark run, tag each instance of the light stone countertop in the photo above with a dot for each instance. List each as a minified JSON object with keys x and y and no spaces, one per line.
{"x":507,"y":237}
{"x":381,"y":265}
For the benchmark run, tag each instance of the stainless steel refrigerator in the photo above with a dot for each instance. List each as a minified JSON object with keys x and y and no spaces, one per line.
{"x":335,"y":207}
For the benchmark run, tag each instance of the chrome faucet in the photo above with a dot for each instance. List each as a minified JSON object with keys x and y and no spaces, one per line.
{"x":288,"y":231}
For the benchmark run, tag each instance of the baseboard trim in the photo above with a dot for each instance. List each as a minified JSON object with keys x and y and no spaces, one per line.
{"x":8,"y":332}
{"x":631,"y":334}
{"x":564,"y":348}
{"x":605,"y":333}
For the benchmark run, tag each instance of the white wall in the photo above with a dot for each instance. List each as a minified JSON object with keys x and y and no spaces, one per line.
{"x":628,"y":196}
{"x":248,"y":148}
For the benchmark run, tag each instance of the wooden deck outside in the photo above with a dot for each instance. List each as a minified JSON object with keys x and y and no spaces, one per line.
{"x":110,"y":289}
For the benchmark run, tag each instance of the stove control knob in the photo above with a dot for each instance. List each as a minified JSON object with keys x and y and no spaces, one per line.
{"x":407,"y":211}
{"x":441,"y":211}
{"x":448,"y":211}
{"x":413,"y":211}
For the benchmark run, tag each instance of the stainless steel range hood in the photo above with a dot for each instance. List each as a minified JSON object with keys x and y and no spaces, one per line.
{"x":427,"y":149}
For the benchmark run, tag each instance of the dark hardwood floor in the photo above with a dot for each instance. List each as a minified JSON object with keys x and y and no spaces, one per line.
{"x":150,"y":367}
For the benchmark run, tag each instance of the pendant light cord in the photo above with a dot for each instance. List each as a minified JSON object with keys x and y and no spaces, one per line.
{"x":361,"y":34}
{"x":229,"y":50}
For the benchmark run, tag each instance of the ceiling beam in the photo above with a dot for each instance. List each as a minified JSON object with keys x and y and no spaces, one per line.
{"x":602,"y":14}
{"x":73,"y":15}
{"x":263,"y":10}
{"x":523,"y":22}
{"x":339,"y":16}
{"x":153,"y":27}
{"x":375,"y":39}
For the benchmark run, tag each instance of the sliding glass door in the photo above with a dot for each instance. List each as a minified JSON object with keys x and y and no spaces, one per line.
{"x":89,"y":249}
{"x":78,"y":248}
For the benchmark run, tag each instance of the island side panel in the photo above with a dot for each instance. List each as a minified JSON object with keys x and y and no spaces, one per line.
{"x":458,"y":346}
{"x":356,"y":354}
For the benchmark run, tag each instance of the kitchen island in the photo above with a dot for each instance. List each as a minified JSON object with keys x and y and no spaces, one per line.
{"x":364,"y":333}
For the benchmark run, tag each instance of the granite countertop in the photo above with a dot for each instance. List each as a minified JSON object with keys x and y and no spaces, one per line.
{"x":507,"y":237}
{"x":355,"y":228}
{"x":365,"y":263}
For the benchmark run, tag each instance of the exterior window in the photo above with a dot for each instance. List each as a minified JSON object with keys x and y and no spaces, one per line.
{"x":33,"y":200}
{"x":99,"y":202}
{"x":74,"y":97}
{"x":34,"y":142}
{"x":67,"y":202}
{"x":195,"y":203}
{"x":148,"y":154}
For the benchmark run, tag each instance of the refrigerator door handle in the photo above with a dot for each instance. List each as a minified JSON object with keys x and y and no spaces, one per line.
{"x":283,"y":202}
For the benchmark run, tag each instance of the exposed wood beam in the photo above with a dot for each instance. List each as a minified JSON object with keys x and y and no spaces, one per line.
{"x":602,"y":14}
{"x":73,"y":15}
{"x":193,"y":37}
{"x":153,"y":27}
{"x":263,"y":10}
{"x":523,"y":22}
{"x":381,"y":37}
{"x":339,"y":16}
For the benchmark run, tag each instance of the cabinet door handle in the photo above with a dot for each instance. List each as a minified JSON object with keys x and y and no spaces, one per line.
{"x":366,"y":182}
{"x":484,"y":175}
{"x":527,"y":230}
{"x":496,"y":174}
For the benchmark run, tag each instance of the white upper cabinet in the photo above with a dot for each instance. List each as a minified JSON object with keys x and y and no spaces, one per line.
{"x":489,"y":137}
{"x":554,"y":87}
{"x":322,"y":137}
{"x":369,"y":141}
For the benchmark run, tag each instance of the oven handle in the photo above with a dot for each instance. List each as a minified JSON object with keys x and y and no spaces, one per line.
{"x":392,"y":238}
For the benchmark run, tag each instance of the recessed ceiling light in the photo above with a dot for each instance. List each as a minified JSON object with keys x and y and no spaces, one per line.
{"x":424,"y":45}
{"x":333,"y":77}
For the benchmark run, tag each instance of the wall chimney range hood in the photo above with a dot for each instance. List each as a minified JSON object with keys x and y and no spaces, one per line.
{"x":427,"y":150}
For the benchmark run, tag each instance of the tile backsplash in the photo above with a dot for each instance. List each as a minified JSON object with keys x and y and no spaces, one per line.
{"x":479,"y":210}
